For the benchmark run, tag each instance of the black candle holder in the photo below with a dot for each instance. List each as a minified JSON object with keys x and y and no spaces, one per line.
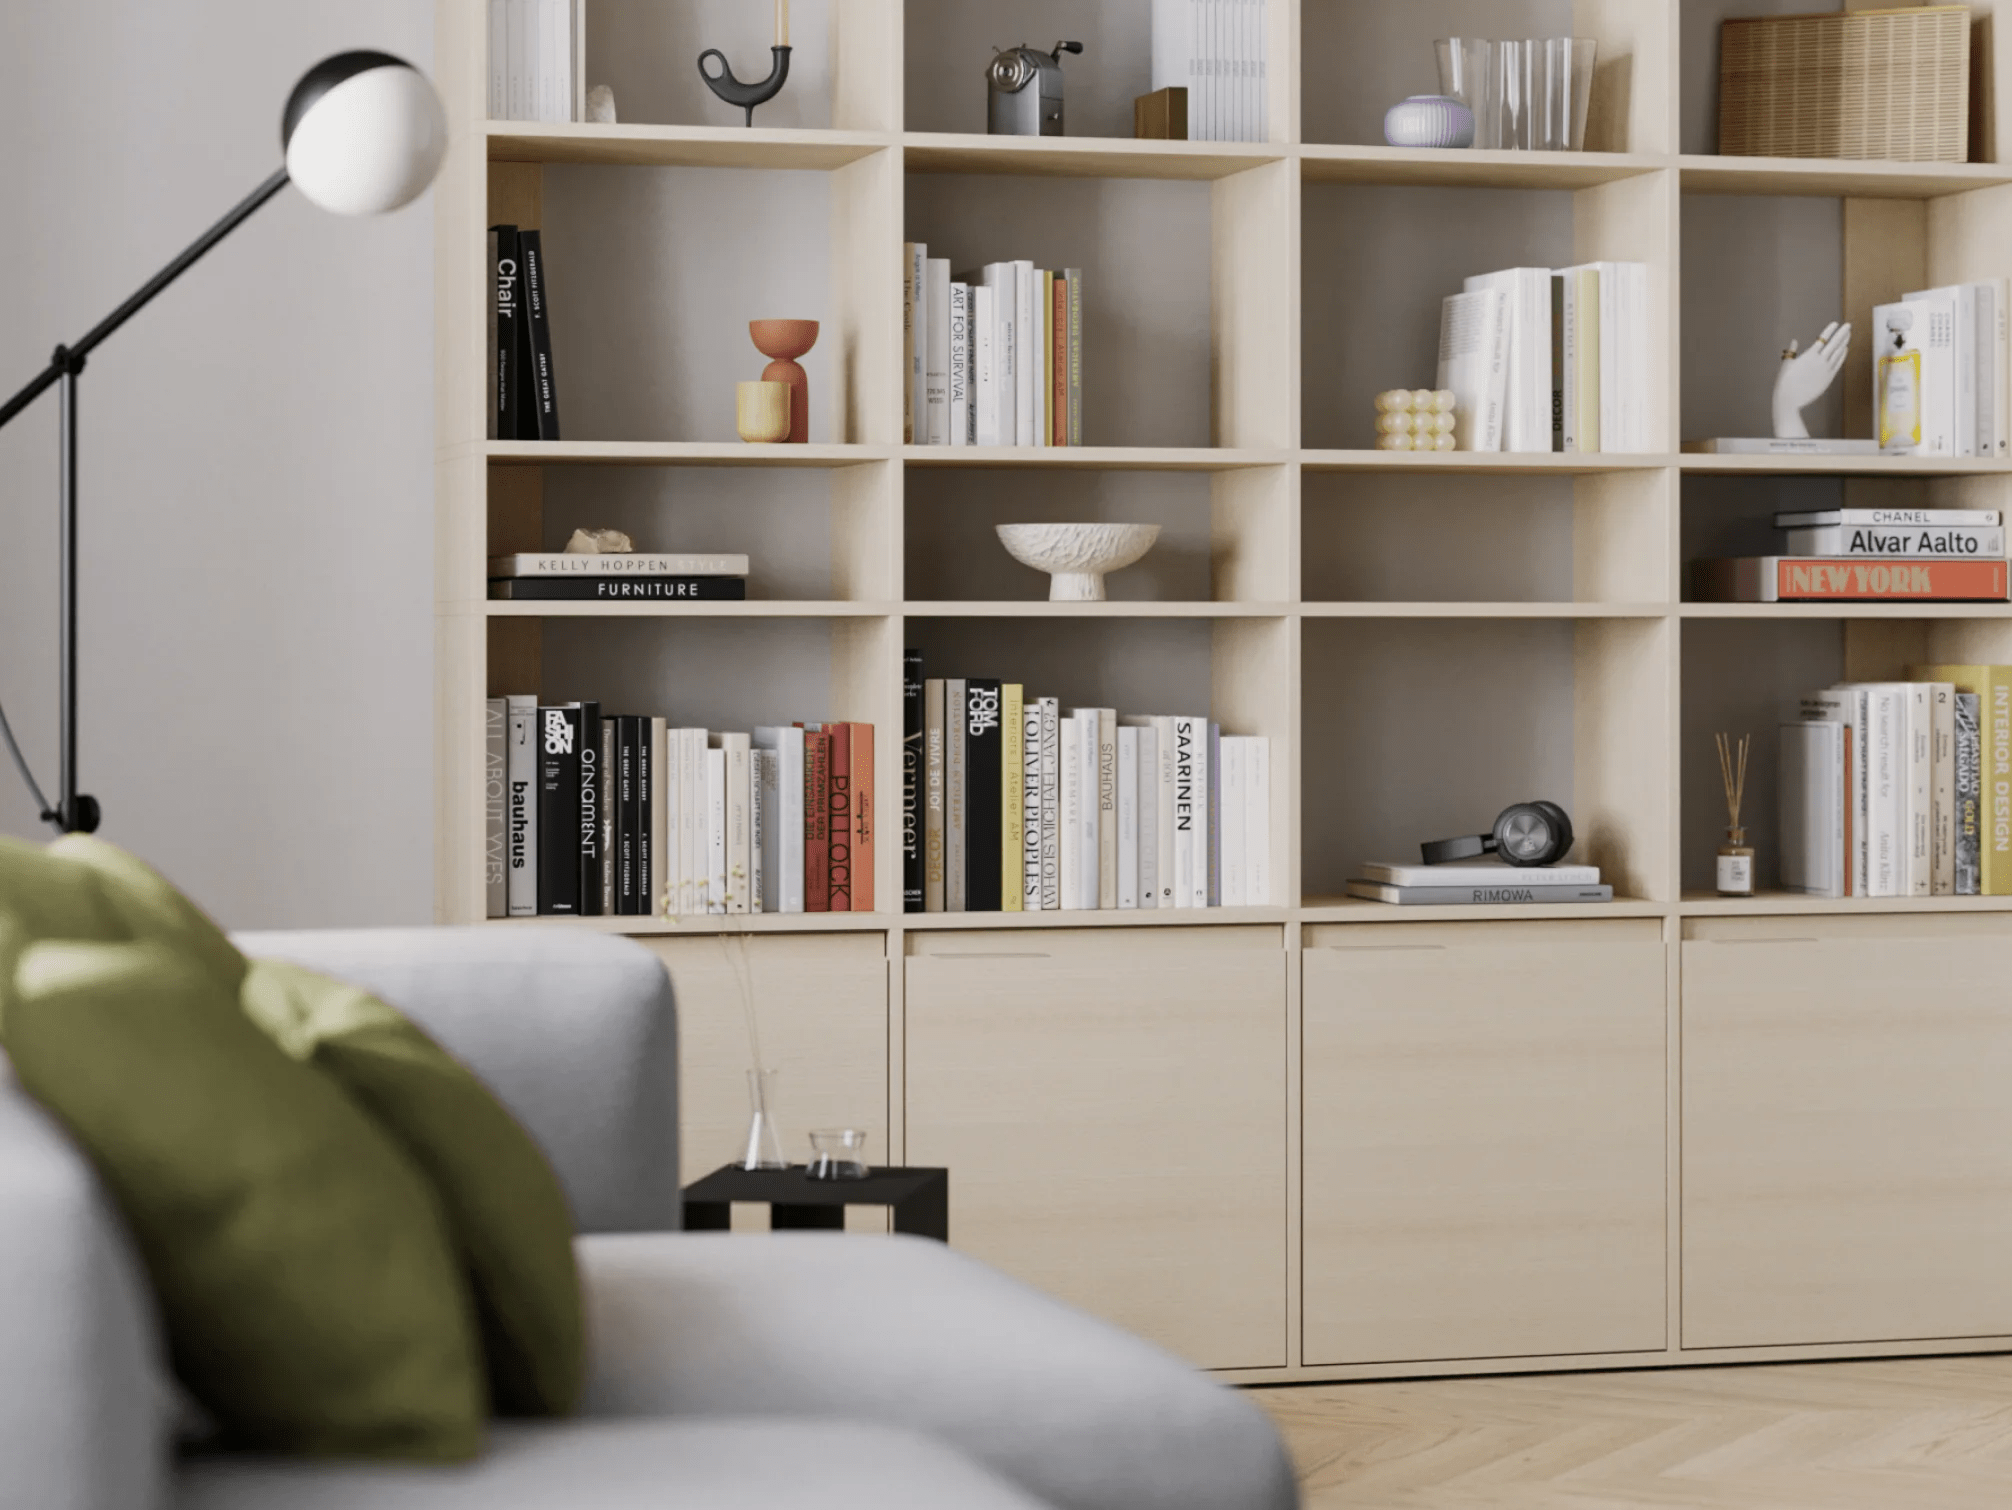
{"x":747,"y":96}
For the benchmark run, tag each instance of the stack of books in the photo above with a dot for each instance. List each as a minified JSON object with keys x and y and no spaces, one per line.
{"x":1009,"y":804}
{"x":1941,"y":372}
{"x":537,"y":60}
{"x":1549,"y":360}
{"x":1931,"y":555}
{"x":1882,"y":789}
{"x":621,"y":815}
{"x":1479,"y":884}
{"x":991,"y":358}
{"x":523,"y":382}
{"x":1214,"y":49}
{"x":626,"y":578}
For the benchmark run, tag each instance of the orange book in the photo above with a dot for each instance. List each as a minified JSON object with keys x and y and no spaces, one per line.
{"x":1060,"y":365}
{"x":839,"y":818}
{"x":1788,"y":579}
{"x":862,"y":817}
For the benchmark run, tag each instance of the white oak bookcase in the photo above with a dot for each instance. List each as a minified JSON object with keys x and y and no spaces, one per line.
{"x":1322,"y":1138}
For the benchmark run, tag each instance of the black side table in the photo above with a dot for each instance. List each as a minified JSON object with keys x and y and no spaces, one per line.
{"x":920,"y":1199}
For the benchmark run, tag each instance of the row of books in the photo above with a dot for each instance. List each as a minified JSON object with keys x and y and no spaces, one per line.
{"x":1928,"y":555}
{"x":523,"y":383}
{"x":621,"y":815}
{"x":537,"y":60}
{"x":1011,"y":805}
{"x":1882,"y":791}
{"x":1544,"y":359}
{"x":627,"y":577}
{"x":1214,"y":49}
{"x":993,"y":357}
{"x":1943,"y":374}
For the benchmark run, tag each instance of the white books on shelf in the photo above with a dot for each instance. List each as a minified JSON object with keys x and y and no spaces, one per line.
{"x":1960,"y":302}
{"x":1851,"y":706}
{"x":1189,"y":814}
{"x":499,"y":60}
{"x":1128,"y":818}
{"x":1886,"y":804}
{"x":1198,"y":881}
{"x":1479,"y":873}
{"x":694,"y":838}
{"x":1579,"y":394}
{"x":1473,"y":363}
{"x":1071,"y":815}
{"x":1026,"y":355}
{"x":1215,"y":49}
{"x":984,"y":365}
{"x":1257,"y":821}
{"x":783,"y":879}
{"x":715,"y":875}
{"x":1163,"y":727}
{"x":1918,"y":797}
{"x":960,"y":364}
{"x":1810,"y":786}
{"x":1230,"y":790}
{"x":936,"y":369}
{"x":1527,"y":295}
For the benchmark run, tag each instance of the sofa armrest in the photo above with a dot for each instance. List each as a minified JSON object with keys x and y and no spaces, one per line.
{"x":574,"y":1031}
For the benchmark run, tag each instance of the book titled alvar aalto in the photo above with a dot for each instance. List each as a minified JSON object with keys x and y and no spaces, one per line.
{"x":1786,"y":579}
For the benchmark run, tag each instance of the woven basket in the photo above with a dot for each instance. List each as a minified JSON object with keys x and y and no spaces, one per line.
{"x":1877,"y":84}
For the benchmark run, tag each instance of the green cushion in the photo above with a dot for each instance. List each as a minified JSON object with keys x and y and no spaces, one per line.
{"x":503,"y":1202}
{"x":308,"y":1282}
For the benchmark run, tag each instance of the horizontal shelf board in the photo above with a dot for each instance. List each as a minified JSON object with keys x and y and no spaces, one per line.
{"x":1467,"y":167}
{"x":1827,"y":178}
{"x":771,"y":608}
{"x":830,"y":922}
{"x":1361,"y":910}
{"x":676,"y":453}
{"x":1573,"y":463}
{"x":1147,"y":917}
{"x":1845,"y":466}
{"x":1043,"y":609}
{"x":1845,"y":610}
{"x":1096,"y":458}
{"x":706,"y":927}
{"x":1082,"y":157}
{"x":679,"y":146}
{"x":1484,"y":610}
{"x":1705,"y":904}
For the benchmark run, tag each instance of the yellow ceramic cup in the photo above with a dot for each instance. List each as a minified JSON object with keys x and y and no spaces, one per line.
{"x":761,"y":412}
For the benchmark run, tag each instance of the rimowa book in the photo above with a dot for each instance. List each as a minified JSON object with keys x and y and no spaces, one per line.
{"x":496,"y":807}
{"x":543,"y":388}
{"x":509,"y":342}
{"x":1508,"y":893}
{"x":625,"y":564}
{"x":782,"y":869}
{"x":984,"y":765}
{"x":935,"y":770}
{"x":1012,"y":797}
{"x":1785,"y":579}
{"x":559,"y":810}
{"x":604,"y":589}
{"x":816,"y":821}
{"x":590,"y":809}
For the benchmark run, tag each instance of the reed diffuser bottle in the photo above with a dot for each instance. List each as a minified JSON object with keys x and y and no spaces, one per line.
{"x":1736,"y":856}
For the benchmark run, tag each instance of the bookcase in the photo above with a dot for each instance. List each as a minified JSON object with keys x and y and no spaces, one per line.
{"x":1323,"y":1138}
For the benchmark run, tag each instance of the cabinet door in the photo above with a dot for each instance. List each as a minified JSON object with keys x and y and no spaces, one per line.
{"x":819,"y":1005}
{"x":1847,"y":1145}
{"x":1111,"y":1105}
{"x":1485,"y":1154}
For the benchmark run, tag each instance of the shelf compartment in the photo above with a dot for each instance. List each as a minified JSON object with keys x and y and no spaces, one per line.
{"x":1081,"y":157}
{"x":680,"y":146}
{"x":1471,"y":168}
{"x":1840,"y":179}
{"x":1483,"y":463}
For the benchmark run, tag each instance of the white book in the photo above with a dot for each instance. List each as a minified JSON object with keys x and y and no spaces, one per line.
{"x":1163,"y":726}
{"x":762,"y":797}
{"x":984,"y":365}
{"x":1128,"y":818}
{"x":499,"y":60}
{"x":1953,"y":541}
{"x":914,"y":257}
{"x":1920,"y":794}
{"x":629,"y":564}
{"x":1942,"y":789}
{"x":1473,"y":362}
{"x":1257,"y":815}
{"x":562,"y":63}
{"x":1071,"y":815}
{"x":1985,"y":355}
{"x":716,"y":831}
{"x":918,"y":363}
{"x":693,"y":836}
{"x":1264,"y":70}
{"x":1849,"y":705}
{"x":1026,"y":354}
{"x":1809,"y":783}
{"x":740,"y":834}
{"x":1935,"y":329}
{"x":1478,"y":873}
{"x":1233,"y":67}
{"x":1527,"y":295}
{"x":496,"y":807}
{"x":1033,"y":751}
{"x":936,"y":369}
{"x":542,"y":60}
{"x":657,"y":889}
{"x":1003,"y":278}
{"x":1191,"y":811}
{"x":960,"y":364}
{"x":1149,"y":812}
{"x":2001,"y":364}
{"x":521,"y":769}
{"x":1089,"y":844}
{"x":668,"y":767}
{"x":783,"y":877}
{"x":579,"y":60}
{"x":1891,"y":518}
{"x":517,"y":53}
{"x":1230,"y":790}
{"x":1961,"y":301}
{"x":1051,"y":804}
{"x":1886,"y":711}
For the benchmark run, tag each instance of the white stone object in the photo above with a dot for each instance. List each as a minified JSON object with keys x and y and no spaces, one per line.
{"x":601,"y":105}
{"x":1804,"y":378}
{"x":1076,"y":556}
{"x":599,"y":543}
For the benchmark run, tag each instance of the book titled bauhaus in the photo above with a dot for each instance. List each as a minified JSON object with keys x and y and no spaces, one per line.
{"x":1785,"y":579}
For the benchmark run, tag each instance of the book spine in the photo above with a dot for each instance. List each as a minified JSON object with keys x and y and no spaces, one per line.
{"x":865,"y":812}
{"x":1770,"y":579}
{"x":918,"y":374}
{"x":1058,"y":322}
{"x":740,"y":823}
{"x":559,"y":811}
{"x":521,"y":769}
{"x":984,"y":766}
{"x":1074,"y":275}
{"x":1070,"y":826}
{"x":838,"y":819}
{"x":936,"y":370}
{"x":960,"y":364}
{"x":496,"y":808}
{"x":544,"y":381}
{"x":1465,"y":896}
{"x":1942,"y":803}
{"x":955,"y":712}
{"x":1860,"y":540}
{"x":1187,"y":810}
{"x":717,"y":842}
{"x":790,"y":843}
{"x":1012,"y":797}
{"x":627,"y":812}
{"x":984,"y":366}
{"x":499,"y":62}
{"x":816,"y":821}
{"x":495,"y":282}
{"x":1030,"y":805}
{"x":1230,"y":823}
{"x":1257,"y":821}
{"x":634,"y":564}
{"x":1889,"y":791}
{"x":1558,"y":359}
{"x":649,"y":861}
{"x":605,"y":850}
{"x":1128,"y":818}
{"x":590,"y":809}
{"x":1107,"y":807}
{"x":912,"y":760}
{"x":1027,"y":354}
{"x":761,"y":810}
{"x":934,"y":763}
{"x":1044,"y":322}
{"x":506,"y":309}
{"x":1213,"y":786}
{"x":658,"y":797}
{"x":1996,"y":726}
{"x":1051,"y":804}
{"x":1149,"y":813}
{"x":690,"y":751}
{"x":1919,"y":750}
{"x":1089,"y":844}
{"x":911,"y":372}
{"x":1969,"y":792}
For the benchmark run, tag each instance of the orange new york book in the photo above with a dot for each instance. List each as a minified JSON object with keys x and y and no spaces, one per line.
{"x":1793,"y":579}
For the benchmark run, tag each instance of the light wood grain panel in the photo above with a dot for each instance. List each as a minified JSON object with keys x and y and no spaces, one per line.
{"x":1633,"y":106}
{"x":1624,"y":537}
{"x":867,"y":46}
{"x":636,"y":146}
{"x":1470,"y":169}
{"x":1624,"y":714}
{"x":1885,"y":256}
{"x":1969,"y":236}
{"x":1831,"y":179}
{"x":866,"y":299}
{"x":866,"y":533}
{"x":1254,"y":314}
{"x":1847,"y":1136}
{"x":1112,"y":1111}
{"x":516,"y":195}
{"x":820,"y":1011}
{"x":1253,"y":538}
{"x":1484,"y":1141}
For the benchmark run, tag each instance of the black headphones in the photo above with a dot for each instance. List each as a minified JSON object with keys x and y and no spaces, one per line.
{"x":1529,"y":833}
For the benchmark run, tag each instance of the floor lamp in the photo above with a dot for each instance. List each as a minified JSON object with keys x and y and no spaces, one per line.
{"x":363,"y":133}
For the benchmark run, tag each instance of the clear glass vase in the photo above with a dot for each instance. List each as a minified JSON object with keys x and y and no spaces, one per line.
{"x":764,"y":1144}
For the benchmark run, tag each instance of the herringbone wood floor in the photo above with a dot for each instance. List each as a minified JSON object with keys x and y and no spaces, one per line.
{"x":1909,"y":1434}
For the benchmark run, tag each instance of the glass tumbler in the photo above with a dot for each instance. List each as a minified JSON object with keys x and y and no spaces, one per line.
{"x":838,"y":1153}
{"x":1567,"y":80}
{"x":1463,"y":65}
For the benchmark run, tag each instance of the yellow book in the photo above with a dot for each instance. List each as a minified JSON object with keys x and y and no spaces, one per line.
{"x":1047,"y":357}
{"x":1993,"y":686}
{"x":1012,"y":773}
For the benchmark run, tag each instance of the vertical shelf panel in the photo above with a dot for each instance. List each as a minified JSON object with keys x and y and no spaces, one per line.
{"x":1255,"y":314}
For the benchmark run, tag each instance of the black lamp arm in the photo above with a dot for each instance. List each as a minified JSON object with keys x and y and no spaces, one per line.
{"x":73,"y":812}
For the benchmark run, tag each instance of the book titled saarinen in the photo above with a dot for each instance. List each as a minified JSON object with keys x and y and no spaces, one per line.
{"x":620,"y":589}
{"x":1787,"y":579}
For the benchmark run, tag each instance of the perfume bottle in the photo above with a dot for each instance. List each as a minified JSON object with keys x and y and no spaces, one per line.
{"x":1736,"y":856}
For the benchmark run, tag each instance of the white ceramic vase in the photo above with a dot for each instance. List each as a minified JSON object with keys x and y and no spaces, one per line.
{"x":1076,"y":556}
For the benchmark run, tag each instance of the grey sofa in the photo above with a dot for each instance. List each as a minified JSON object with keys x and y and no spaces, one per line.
{"x":800,"y":1369}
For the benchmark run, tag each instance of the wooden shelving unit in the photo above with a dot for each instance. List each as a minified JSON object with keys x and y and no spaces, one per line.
{"x":1537,"y":1180}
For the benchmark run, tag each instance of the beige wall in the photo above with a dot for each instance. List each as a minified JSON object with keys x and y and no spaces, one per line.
{"x":257,"y":653}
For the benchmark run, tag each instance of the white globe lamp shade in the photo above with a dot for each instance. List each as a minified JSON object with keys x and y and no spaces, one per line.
{"x":364,"y":133}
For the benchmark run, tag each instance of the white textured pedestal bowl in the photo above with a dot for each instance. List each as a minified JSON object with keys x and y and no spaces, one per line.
{"x":1076,"y":556}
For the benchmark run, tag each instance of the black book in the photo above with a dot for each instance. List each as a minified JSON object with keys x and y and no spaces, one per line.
{"x":544,"y":387}
{"x":626,"y":814}
{"x":605,"y":880}
{"x":559,"y":810}
{"x":590,"y":809}
{"x":507,"y":338}
{"x":982,"y":770}
{"x":646,"y":809}
{"x":598,"y":589}
{"x":911,"y":781}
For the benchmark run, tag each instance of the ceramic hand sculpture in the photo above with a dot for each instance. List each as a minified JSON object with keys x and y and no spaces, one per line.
{"x":1805,"y":378}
